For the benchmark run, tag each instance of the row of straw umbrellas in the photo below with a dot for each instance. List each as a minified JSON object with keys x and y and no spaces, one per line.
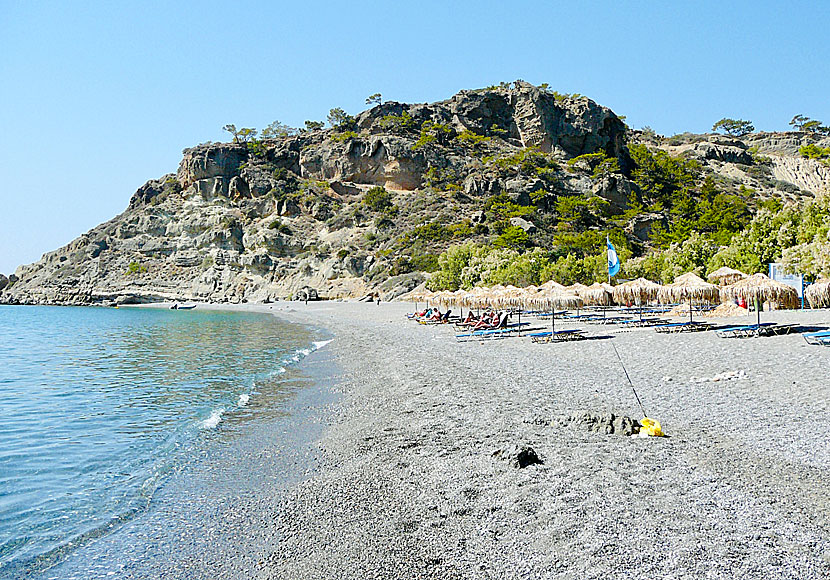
{"x":754,"y":289}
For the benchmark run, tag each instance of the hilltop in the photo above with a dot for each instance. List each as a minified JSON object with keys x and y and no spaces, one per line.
{"x":369,"y":204}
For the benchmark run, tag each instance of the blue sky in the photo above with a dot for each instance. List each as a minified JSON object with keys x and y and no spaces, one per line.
{"x":98,"y":97}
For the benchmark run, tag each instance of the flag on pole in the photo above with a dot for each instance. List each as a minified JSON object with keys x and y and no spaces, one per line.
{"x":613,"y":260}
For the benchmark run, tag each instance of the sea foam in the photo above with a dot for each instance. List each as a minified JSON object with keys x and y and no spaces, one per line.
{"x":212,"y":421}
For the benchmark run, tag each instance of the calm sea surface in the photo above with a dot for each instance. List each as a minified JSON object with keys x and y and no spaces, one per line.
{"x":98,"y":406}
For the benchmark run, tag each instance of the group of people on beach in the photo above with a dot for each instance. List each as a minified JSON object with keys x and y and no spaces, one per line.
{"x":486,"y":320}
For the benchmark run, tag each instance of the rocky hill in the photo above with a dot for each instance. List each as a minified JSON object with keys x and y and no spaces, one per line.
{"x":368,"y":205}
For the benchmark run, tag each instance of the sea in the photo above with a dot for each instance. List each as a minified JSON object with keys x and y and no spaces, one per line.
{"x":101,"y":407}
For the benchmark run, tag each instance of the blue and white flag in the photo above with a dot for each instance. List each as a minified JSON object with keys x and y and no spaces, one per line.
{"x":613,"y":260}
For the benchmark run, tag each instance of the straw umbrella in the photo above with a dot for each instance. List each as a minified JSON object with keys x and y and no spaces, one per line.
{"x":636,"y":292}
{"x":818,"y":293}
{"x":598,"y":294}
{"x":576,"y":288}
{"x":759,"y":288}
{"x":559,"y":299}
{"x":689,"y":286}
{"x":726,"y":275}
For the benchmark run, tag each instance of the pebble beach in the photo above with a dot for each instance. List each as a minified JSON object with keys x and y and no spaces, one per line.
{"x":397,"y":457}
{"x":409,"y":486}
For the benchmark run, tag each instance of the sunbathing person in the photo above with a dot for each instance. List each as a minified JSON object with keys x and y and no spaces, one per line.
{"x":471,"y":318}
{"x":493,"y":322}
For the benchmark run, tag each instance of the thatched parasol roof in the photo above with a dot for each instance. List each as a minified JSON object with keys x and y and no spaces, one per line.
{"x":576,"y":288}
{"x":726,"y":275}
{"x":598,"y":294}
{"x":636,"y":291}
{"x":688,"y":286}
{"x":551,"y":285}
{"x":565,"y":300}
{"x":760,"y":287}
{"x":818,"y":294}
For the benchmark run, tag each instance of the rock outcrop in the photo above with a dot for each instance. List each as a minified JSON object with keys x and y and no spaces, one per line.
{"x":278,"y":218}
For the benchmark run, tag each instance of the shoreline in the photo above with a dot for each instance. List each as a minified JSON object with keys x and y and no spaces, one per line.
{"x":200,"y":519}
{"x":407,"y":485}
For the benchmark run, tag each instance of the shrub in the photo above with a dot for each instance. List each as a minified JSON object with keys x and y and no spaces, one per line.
{"x":472,"y":140}
{"x":399,"y":124}
{"x":529,"y":161}
{"x":377,"y":199}
{"x":135,"y":268}
{"x":439,"y":133}
{"x":512,"y":237}
{"x":344,"y":136}
{"x":812,"y":151}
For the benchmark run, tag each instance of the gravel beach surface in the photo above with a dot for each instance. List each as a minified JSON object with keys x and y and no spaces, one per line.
{"x":412,"y":470}
{"x":409,"y":487}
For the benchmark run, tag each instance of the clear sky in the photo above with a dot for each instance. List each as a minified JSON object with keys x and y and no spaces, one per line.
{"x":98,"y":97}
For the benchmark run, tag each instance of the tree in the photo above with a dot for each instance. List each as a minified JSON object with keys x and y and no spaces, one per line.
{"x":374,"y":99}
{"x":233,"y":131}
{"x":797,"y":122}
{"x":240,"y":135}
{"x":734,"y":127}
{"x":313,"y":125}
{"x":246,"y":134}
{"x":277,"y":129}
{"x":340,"y":119}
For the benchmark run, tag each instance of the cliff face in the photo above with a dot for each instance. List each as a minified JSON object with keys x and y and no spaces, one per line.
{"x":241,"y":223}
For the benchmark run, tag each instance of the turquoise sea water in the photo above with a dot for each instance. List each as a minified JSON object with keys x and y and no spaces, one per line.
{"x":98,"y":406}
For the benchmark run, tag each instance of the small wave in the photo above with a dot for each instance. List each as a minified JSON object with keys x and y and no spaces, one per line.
{"x":212,"y":421}
{"x":320,"y":344}
{"x":243,"y":400}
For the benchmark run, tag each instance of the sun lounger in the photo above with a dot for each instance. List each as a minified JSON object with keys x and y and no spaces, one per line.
{"x":754,"y":330}
{"x":682,"y":327}
{"x":638,"y":323}
{"x":485,"y":334}
{"x":822,"y":337}
{"x":558,"y":336}
{"x":608,"y":320}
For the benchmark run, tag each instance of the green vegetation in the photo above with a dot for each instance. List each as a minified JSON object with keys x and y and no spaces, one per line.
{"x":374,"y":99}
{"x":277,"y":130}
{"x":135,"y":268}
{"x":313,"y":125}
{"x":734,"y":127}
{"x":402,"y":124}
{"x":812,"y":151}
{"x":472,"y":140}
{"x":240,"y":135}
{"x":442,"y":179}
{"x":528,"y":161}
{"x":808,"y":125}
{"x":434,"y":133}
{"x":598,"y":163}
{"x":512,"y":237}
{"x":340,"y":119}
{"x":344,"y":136}
{"x":377,"y":199}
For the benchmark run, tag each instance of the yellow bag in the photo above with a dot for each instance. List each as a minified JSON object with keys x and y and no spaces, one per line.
{"x":650,"y":427}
